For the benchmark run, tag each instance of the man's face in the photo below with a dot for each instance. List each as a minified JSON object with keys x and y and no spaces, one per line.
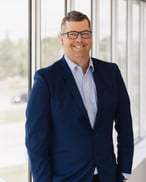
{"x":79,"y":47}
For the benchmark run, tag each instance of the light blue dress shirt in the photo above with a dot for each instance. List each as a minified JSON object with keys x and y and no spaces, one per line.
{"x":86,"y":86}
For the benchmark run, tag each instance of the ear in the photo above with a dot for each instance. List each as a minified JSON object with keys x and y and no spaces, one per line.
{"x":61,"y":40}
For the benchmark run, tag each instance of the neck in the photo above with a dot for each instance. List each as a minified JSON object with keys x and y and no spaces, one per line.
{"x":83,"y":62}
{"x":84,"y":66}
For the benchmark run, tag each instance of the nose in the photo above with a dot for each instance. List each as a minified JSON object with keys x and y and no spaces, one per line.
{"x":79,"y":37}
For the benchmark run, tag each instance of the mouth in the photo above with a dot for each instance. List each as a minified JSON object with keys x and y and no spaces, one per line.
{"x":79,"y":46}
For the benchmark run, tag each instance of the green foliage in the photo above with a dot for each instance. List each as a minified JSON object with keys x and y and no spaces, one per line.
{"x":13,"y":58}
{"x":14,"y":55}
{"x":51,"y":50}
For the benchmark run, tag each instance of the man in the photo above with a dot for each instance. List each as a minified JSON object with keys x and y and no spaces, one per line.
{"x":72,"y":108}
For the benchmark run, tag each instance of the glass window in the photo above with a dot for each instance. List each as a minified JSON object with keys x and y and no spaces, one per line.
{"x":13,"y":89}
{"x":134,"y":67}
{"x":84,"y":6}
{"x":143,"y":84}
{"x":122,"y":37}
{"x":145,"y":30}
{"x":51,"y":17}
{"x":105,"y":30}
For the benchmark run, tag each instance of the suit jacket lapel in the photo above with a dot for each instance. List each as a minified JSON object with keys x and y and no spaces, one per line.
{"x":70,"y":81}
{"x":103,"y":87}
{"x":99,"y":90}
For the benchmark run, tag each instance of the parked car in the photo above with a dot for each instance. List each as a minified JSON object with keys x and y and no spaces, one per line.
{"x":21,"y":98}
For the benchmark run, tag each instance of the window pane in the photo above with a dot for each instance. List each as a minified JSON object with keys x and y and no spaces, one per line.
{"x":51,"y":17}
{"x":105,"y":29}
{"x":84,"y":6}
{"x":13,"y":86}
{"x":121,"y":37}
{"x":144,"y":74}
{"x":134,"y":67}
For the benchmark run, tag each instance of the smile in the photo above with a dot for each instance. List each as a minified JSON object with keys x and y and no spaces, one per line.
{"x":79,"y":46}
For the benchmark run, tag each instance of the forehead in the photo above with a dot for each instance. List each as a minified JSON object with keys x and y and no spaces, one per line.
{"x":76,"y":25}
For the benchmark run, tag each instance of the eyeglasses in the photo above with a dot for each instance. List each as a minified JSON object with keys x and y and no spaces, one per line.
{"x":74,"y":34}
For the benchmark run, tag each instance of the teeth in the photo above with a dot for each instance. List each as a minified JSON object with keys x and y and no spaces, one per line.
{"x":79,"y":46}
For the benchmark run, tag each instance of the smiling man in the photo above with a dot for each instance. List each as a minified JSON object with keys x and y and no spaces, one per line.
{"x":77,"y":41}
{"x":71,"y":111}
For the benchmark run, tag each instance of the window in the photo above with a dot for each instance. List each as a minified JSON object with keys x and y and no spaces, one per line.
{"x":51,"y":17}
{"x":84,"y":6}
{"x":134,"y":67}
{"x":143,"y":70}
{"x":105,"y":30}
{"x":13,"y":86}
{"x":122,"y":37}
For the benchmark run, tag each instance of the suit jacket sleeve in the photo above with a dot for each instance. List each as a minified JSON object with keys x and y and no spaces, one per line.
{"x":38,"y":132}
{"x":123,"y":125}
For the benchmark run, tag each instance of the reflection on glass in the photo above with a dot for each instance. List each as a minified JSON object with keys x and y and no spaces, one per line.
{"x":134,"y":80}
{"x":51,"y":17}
{"x":13,"y":86}
{"x":105,"y":30}
{"x":122,"y":38}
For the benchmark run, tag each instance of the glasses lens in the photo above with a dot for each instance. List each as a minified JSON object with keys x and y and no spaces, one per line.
{"x":86,"y":34}
{"x":72,"y":35}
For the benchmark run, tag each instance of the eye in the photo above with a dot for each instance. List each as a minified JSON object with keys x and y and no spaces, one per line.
{"x":86,"y":34}
{"x":73,"y":33}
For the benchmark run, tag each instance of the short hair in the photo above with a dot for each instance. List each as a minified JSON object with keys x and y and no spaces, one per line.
{"x":74,"y":16}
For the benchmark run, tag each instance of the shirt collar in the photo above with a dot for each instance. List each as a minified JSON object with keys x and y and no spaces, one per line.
{"x":72,"y":65}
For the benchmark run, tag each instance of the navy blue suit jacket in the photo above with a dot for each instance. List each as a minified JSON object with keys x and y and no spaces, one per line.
{"x":62,"y":146}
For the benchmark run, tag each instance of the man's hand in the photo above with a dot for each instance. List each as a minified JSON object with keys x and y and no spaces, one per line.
{"x":125,"y":180}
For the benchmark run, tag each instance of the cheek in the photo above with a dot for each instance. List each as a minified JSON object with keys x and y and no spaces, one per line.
{"x":90,"y":42}
{"x":66,"y":43}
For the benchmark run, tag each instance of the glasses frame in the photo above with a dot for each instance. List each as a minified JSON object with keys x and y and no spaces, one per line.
{"x":78,"y":33}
